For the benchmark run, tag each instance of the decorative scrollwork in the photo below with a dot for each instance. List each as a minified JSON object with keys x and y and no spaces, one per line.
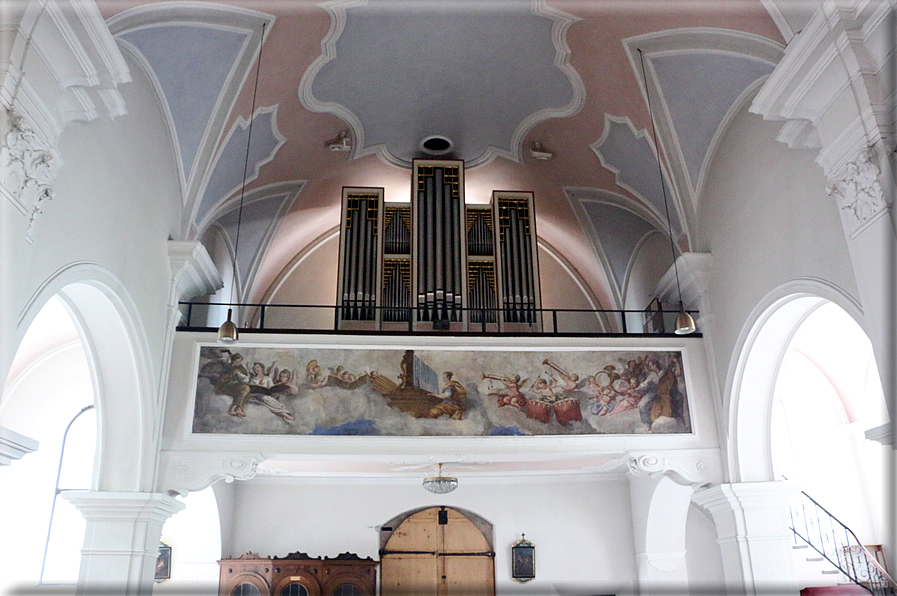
{"x":859,"y":193}
{"x":28,"y":168}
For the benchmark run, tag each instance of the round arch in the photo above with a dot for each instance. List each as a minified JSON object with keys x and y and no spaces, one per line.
{"x":755,"y":365}
{"x":112,"y":333}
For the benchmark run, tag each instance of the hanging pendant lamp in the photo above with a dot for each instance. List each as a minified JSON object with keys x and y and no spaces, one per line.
{"x":440,"y":484}
{"x":685,"y":324}
{"x":228,"y":332}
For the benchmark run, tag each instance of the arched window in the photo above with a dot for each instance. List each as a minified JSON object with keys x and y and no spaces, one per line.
{"x":49,"y":383}
{"x":827,"y":394}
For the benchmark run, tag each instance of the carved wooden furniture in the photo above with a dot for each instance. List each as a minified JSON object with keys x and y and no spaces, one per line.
{"x":297,"y":574}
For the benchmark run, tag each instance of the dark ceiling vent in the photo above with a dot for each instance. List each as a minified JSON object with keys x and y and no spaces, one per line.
{"x":436,"y":145}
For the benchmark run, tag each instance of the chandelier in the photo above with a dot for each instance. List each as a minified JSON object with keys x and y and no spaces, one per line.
{"x":440,"y":484}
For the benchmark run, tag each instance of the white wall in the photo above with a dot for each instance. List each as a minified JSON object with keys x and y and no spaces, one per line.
{"x":581,"y":529}
{"x":766,"y":219}
{"x":117,"y":203}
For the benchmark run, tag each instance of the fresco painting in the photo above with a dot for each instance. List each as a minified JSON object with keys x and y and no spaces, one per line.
{"x":394,"y":392}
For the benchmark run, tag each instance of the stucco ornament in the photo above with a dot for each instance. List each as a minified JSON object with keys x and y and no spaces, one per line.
{"x":29,"y":167}
{"x":859,"y":193}
{"x":687,"y":468}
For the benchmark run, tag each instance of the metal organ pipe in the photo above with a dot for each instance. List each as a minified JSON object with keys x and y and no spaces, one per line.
{"x":457,"y":260}
{"x":438,"y":234}
{"x":429,"y":237}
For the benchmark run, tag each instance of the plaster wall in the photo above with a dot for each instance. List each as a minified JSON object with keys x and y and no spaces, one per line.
{"x":767,"y":220}
{"x":581,"y":529}
{"x":117,"y":203}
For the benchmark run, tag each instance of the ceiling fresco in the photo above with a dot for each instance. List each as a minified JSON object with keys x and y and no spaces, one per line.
{"x":492,"y":76}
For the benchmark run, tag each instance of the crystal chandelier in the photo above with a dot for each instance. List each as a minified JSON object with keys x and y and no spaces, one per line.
{"x":440,"y":484}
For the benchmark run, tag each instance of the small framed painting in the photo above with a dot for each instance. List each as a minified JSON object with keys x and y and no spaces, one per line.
{"x":163,"y":563}
{"x":523,"y":560}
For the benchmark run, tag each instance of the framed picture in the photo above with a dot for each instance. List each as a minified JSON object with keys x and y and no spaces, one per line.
{"x":523,"y":560}
{"x":163,"y":563}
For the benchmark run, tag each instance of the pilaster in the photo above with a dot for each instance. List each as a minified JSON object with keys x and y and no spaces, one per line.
{"x":660,"y":489}
{"x":751,"y":521}
{"x":121,"y":540}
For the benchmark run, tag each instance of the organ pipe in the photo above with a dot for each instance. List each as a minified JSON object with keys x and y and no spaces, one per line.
{"x":360,"y":252}
{"x":437,"y":257}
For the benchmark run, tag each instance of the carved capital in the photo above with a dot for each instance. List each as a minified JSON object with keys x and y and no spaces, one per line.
{"x":185,"y":472}
{"x":28,"y":168}
{"x":859,"y":193}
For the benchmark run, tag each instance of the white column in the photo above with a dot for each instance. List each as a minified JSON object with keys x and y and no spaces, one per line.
{"x":659,"y":512}
{"x":14,"y":446}
{"x":751,"y":521}
{"x":121,"y":541}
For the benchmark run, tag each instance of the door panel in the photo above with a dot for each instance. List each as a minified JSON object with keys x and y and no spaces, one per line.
{"x":408,"y":575}
{"x":424,"y":558}
{"x":469,"y":576}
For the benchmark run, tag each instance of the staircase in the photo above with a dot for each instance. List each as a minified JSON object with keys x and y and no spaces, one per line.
{"x":816,"y":528}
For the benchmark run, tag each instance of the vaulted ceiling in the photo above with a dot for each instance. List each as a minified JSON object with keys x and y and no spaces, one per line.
{"x":493,"y":76}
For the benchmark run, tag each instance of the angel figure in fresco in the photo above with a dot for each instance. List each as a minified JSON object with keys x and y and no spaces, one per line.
{"x":285,"y":383}
{"x":314,"y":378}
{"x":566,"y":381}
{"x":452,"y":396}
{"x":604,"y":396}
{"x":545,"y":390}
{"x":234,"y":382}
{"x":511,"y":396}
{"x":260,"y":378}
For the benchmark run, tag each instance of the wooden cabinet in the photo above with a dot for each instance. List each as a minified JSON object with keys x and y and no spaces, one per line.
{"x":297,"y":574}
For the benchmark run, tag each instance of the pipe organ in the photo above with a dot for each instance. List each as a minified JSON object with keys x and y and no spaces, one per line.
{"x":435,"y":262}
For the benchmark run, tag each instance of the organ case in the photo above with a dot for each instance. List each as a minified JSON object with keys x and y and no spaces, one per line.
{"x":517,"y":265}
{"x":361,"y":252}
{"x":435,"y":262}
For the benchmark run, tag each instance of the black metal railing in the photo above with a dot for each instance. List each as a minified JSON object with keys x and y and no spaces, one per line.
{"x":815,"y":525}
{"x":299,"y":318}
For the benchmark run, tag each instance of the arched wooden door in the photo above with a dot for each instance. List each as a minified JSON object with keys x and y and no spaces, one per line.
{"x":437,"y":552}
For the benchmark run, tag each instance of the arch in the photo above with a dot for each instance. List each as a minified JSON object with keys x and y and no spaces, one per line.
{"x":121,"y":372}
{"x":755,"y":364}
{"x":436,"y":546}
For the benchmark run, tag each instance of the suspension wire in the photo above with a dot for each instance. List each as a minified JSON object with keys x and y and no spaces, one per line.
{"x":255,"y":89}
{"x":663,"y":187}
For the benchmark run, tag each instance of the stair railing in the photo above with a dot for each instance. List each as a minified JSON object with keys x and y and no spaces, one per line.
{"x":815,"y":525}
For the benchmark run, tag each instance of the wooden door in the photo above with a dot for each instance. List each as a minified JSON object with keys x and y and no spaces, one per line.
{"x":437,"y":552}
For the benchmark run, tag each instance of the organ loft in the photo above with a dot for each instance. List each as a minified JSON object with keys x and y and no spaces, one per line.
{"x":436,"y":263}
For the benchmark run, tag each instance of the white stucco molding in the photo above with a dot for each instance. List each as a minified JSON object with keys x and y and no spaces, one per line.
{"x":832,"y":78}
{"x":884,"y":434}
{"x":28,"y":168}
{"x":694,"y":273}
{"x":62,"y":65}
{"x":192,"y":271}
{"x":184,"y":472}
{"x":689,"y":467}
{"x":859,"y":193}
{"x":14,"y":446}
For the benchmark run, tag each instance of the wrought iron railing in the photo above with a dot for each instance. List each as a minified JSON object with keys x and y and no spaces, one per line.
{"x":815,"y":525}
{"x":299,"y":318}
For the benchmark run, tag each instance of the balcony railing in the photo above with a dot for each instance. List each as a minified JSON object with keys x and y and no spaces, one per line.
{"x":301,"y":318}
